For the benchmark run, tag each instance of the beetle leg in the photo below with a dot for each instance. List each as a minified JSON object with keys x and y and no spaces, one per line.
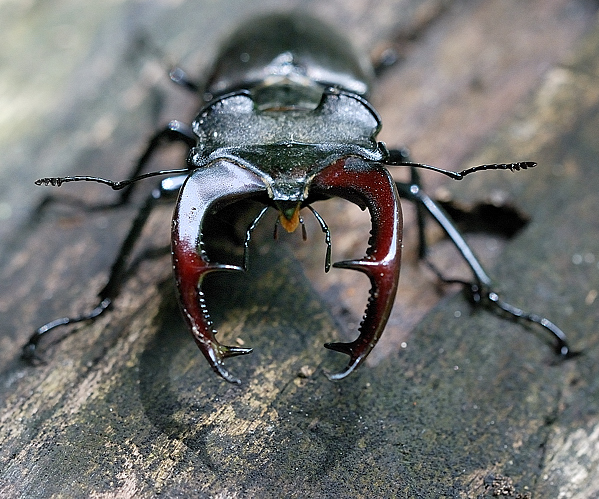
{"x":205,"y":190}
{"x":175,"y":131}
{"x":327,"y":237}
{"x":181,"y":78}
{"x":481,"y":290}
{"x":248,"y":236}
{"x":117,"y":272}
{"x":372,"y":187}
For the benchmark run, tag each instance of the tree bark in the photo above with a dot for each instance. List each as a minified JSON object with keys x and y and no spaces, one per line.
{"x":455,"y":401}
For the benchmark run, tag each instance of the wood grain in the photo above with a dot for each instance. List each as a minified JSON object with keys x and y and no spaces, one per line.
{"x":469,"y":405}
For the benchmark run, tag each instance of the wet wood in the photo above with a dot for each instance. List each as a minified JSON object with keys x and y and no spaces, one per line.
{"x":454,"y":403}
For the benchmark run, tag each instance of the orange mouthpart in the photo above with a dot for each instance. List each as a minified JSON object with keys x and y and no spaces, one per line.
{"x":290,"y":220}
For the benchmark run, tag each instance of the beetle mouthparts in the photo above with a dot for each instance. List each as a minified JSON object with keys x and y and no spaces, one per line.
{"x":289,"y":217}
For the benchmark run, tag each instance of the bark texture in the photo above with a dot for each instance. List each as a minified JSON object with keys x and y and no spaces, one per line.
{"x":453,"y":403}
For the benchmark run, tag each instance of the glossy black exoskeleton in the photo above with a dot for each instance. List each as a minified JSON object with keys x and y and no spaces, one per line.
{"x":286,"y":123}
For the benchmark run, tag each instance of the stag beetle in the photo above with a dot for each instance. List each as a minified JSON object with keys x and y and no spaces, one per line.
{"x":286,"y":122}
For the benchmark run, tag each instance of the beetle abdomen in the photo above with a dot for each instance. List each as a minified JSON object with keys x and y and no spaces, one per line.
{"x":293,"y":46}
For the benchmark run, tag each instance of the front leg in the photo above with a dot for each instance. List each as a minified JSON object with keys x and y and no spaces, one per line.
{"x":167,"y":189}
{"x":175,"y":131}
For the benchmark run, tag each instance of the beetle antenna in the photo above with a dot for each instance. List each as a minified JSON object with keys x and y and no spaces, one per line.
{"x":114,"y":184}
{"x":398,"y":158}
{"x":327,"y":237}
{"x":514,"y":167}
{"x":248,"y":236}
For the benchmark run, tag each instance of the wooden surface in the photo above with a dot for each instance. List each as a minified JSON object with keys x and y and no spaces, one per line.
{"x":453,"y":403}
